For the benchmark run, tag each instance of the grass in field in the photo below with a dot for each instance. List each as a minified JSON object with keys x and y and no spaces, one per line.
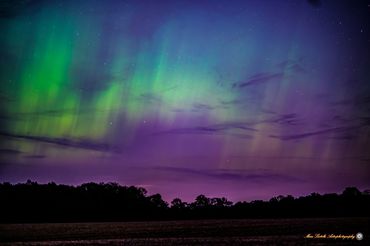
{"x":206,"y":232}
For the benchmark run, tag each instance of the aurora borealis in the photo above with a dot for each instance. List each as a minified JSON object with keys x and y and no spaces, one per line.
{"x":242,"y":99}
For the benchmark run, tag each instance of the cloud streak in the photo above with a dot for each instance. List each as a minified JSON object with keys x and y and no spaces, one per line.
{"x":229,"y":174}
{"x":230,"y":129}
{"x":150,"y":98}
{"x":66,"y":142}
{"x":10,"y":151}
{"x":202,"y":107}
{"x":258,"y":79}
{"x":314,"y":133}
{"x":35,"y":156}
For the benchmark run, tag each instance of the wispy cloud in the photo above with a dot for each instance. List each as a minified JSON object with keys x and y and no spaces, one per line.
{"x":150,"y":98}
{"x":66,"y":142}
{"x":230,"y":129}
{"x":178,"y":110}
{"x":356,"y":100}
{"x":234,"y":125}
{"x":202,"y":131}
{"x":229,"y":174}
{"x":10,"y":151}
{"x":230,"y":102}
{"x":35,"y":156}
{"x":286,"y":119}
{"x":282,"y":119}
{"x":258,"y":79}
{"x":239,"y":129}
{"x":202,"y":107}
{"x":291,"y":65}
{"x":313,"y":133}
{"x":56,"y":112}
{"x":267,"y":111}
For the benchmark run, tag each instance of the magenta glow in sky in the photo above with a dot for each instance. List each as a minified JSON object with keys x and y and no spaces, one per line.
{"x":242,"y":99}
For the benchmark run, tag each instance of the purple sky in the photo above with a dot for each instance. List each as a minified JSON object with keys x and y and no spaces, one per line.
{"x":242,"y":99}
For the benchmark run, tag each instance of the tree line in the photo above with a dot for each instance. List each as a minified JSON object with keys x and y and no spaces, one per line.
{"x":33,"y":202}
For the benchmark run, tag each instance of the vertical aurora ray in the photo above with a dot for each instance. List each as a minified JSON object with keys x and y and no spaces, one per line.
{"x":233,"y":98}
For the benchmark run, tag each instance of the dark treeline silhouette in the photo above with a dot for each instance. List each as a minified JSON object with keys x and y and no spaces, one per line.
{"x":33,"y":202}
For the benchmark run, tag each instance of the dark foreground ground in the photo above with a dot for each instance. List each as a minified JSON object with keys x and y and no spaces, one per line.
{"x":201,"y":232}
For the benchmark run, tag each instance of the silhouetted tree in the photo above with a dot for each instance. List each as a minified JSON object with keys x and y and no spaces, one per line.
{"x":201,"y":201}
{"x":220,"y":202}
{"x":33,"y":202}
{"x":366,"y":192}
{"x":351,"y":192}
{"x":178,"y":204}
{"x":157,"y":201}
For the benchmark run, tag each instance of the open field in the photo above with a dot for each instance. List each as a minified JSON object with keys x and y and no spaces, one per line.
{"x":201,"y":232}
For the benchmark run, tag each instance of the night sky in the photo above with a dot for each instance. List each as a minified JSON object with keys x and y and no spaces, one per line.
{"x":242,"y":99}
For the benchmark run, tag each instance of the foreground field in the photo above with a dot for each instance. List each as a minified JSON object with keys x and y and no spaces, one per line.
{"x":203,"y":232}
